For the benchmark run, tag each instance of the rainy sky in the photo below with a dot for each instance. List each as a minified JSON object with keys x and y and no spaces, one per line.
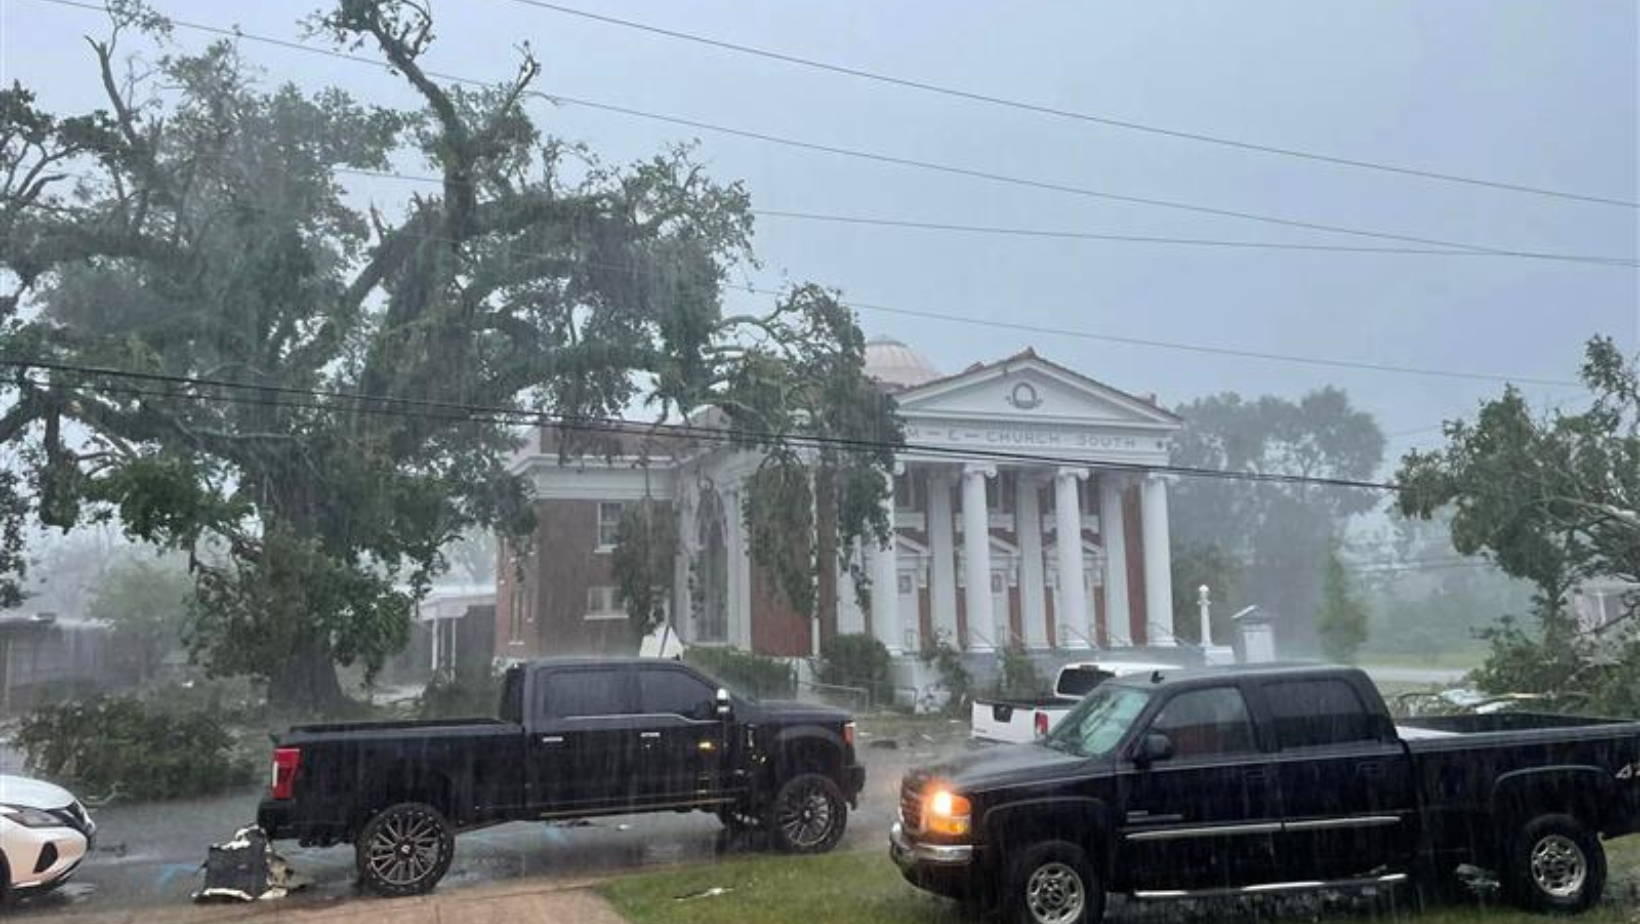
{"x":1535,"y":93}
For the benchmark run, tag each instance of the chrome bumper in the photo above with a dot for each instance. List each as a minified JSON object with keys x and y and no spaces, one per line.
{"x":907,"y":854}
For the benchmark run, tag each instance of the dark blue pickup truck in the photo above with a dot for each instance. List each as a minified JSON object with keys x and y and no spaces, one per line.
{"x":1246,"y":781}
{"x":576,"y":738}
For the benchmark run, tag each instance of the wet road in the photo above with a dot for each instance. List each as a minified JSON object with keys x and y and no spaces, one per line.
{"x":149,"y":855}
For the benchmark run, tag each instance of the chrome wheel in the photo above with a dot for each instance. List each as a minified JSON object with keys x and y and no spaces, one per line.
{"x":805,"y":815}
{"x":1055,"y":895}
{"x":1559,"y":867}
{"x":406,"y":848}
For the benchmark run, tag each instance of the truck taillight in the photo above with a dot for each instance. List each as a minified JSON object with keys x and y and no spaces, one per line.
{"x":848,"y":734}
{"x":285,"y":763}
{"x":1042,"y":725}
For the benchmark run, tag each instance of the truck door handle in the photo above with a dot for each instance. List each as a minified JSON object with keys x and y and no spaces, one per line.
{"x":649,"y":734}
{"x":552,"y":739}
{"x":1370,"y":770}
{"x":1256,"y":775}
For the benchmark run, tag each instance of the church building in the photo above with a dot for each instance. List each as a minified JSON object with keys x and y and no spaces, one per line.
{"x":1022,"y":506}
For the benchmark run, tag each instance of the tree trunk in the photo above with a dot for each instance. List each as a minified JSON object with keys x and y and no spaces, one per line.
{"x":306,"y":684}
{"x":825,"y":553}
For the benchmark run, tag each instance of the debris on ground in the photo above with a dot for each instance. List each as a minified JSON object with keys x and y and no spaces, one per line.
{"x":713,"y":892}
{"x":246,"y":869}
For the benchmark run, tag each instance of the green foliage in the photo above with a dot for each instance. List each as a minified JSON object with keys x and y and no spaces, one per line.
{"x":646,"y":546}
{"x":109,"y":745}
{"x":147,"y":602}
{"x":808,"y":510}
{"x":954,"y":676}
{"x":1555,"y":501}
{"x":1275,"y":534}
{"x":745,"y":673}
{"x":780,"y":526}
{"x":1341,"y":622}
{"x":857,"y":660}
{"x":1017,"y":676}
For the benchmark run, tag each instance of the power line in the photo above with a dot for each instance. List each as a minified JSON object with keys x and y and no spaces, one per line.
{"x":1184,"y":241}
{"x":1031,"y":233}
{"x":419,"y":407}
{"x":1043,"y":109}
{"x":872,"y":156}
{"x":1044,"y":330}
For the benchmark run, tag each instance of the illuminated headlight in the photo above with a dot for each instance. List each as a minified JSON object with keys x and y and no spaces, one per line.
{"x":948,"y":813}
{"x":31,"y":817}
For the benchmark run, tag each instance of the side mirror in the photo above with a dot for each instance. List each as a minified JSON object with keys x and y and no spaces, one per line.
{"x":1153,"y":747}
{"x":725,"y":705}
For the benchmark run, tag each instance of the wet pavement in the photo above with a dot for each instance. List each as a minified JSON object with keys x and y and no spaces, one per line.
{"x":149,"y":855}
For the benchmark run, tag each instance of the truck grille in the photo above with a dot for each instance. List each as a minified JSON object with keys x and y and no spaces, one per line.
{"x":911,"y":806}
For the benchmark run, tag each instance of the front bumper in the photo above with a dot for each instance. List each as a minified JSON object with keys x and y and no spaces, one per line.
{"x":944,"y":869}
{"x":41,"y":859}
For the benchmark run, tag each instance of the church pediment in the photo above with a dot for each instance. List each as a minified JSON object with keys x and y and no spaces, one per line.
{"x":1026,"y":389}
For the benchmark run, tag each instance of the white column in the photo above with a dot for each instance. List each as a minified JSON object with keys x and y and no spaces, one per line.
{"x":740,"y":573}
{"x":1158,"y":561}
{"x":1072,"y":608}
{"x":1113,"y":532}
{"x":885,"y":589}
{"x":942,"y":546}
{"x":976,"y":558}
{"x":1028,"y":529}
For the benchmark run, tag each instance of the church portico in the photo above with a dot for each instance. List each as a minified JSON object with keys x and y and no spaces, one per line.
{"x":1056,"y":552}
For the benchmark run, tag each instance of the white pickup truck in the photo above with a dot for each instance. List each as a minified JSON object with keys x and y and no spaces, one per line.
{"x":1020,"y":721}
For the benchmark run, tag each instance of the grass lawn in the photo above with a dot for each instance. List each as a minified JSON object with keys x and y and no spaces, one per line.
{"x":863,"y":887}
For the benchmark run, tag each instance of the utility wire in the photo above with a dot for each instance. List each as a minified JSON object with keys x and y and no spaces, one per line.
{"x":1048,"y":233}
{"x":872,"y":156}
{"x":419,"y":407}
{"x":1058,"y":112}
{"x":1043,"y":330}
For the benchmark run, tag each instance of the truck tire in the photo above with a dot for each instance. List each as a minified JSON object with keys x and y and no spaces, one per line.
{"x":404,"y":849}
{"x":809,"y":815}
{"x":1052,"y":882}
{"x":1555,"y":864}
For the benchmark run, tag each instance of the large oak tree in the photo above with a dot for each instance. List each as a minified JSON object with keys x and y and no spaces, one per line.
{"x":199,"y":226}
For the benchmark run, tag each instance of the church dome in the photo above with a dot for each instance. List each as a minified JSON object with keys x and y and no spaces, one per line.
{"x":895,"y":365}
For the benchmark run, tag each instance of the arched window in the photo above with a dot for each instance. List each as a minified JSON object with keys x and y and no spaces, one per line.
{"x":711,"y":571}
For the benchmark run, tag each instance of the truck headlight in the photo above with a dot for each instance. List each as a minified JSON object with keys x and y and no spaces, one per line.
{"x":32,"y":817}
{"x":948,"y":813}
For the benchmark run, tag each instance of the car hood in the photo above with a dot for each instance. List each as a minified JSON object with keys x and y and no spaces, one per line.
{"x":38,"y":794}
{"x":791,"y":711}
{"x":1001,"y":765}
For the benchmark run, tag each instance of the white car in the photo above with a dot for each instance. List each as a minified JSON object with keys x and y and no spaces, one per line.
{"x":44,"y":834}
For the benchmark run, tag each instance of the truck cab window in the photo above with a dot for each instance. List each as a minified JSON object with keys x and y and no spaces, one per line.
{"x":1315,"y":713}
{"x":583,"y":694}
{"x":1081,"y":681}
{"x":670,"y":692}
{"x":1207,"y":722}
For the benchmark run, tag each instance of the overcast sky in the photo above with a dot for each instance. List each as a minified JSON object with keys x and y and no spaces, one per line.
{"x":1537,"y":93}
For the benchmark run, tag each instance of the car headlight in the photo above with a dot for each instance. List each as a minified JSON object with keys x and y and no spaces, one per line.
{"x":948,"y":813}
{"x":32,"y":817}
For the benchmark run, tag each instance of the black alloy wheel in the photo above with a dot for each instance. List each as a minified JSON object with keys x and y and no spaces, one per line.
{"x":404,"y":849}
{"x":809,"y":815}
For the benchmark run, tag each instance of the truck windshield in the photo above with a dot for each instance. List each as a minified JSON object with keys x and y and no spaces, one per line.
{"x":1094,"y":726}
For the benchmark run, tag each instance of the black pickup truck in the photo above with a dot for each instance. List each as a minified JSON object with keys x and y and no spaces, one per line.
{"x":576,"y":738}
{"x":1244,"y":781}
